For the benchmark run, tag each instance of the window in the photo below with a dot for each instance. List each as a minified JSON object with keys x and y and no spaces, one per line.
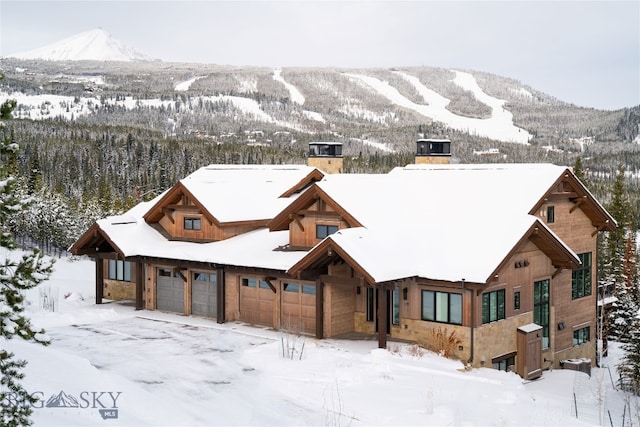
{"x":493,"y":306}
{"x":395,"y":305}
{"x":165,"y":272}
{"x":309,"y":289}
{"x":291,"y":287}
{"x":442,"y":307}
{"x":253,"y":283}
{"x":192,"y":223}
{"x":504,"y":363}
{"x":581,"y":277}
{"x":370,"y":304}
{"x":323,"y":230}
{"x":581,"y":336}
{"x":541,"y":309}
{"x":120,"y":270}
{"x":551,"y":214}
{"x":205,"y":277}
{"x":516,"y":300}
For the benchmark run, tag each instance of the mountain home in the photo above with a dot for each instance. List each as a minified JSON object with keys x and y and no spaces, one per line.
{"x":497,"y":260}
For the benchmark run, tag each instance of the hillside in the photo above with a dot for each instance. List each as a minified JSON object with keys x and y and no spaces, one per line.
{"x":113,"y":132}
{"x":215,"y":102}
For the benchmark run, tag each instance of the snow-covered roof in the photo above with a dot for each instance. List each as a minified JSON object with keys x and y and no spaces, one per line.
{"x":448,"y":222}
{"x":258,"y":248}
{"x":233,"y":193}
{"x":444,"y":222}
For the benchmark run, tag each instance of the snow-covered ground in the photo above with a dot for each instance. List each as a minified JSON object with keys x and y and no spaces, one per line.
{"x":499,"y":126}
{"x":111,"y":365}
{"x":184,"y":86}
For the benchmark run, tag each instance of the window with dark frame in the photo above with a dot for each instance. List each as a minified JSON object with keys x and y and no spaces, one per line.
{"x":516,"y":300}
{"x":442,"y":307}
{"x":395,"y":306}
{"x":249,"y":282}
{"x":119,"y":270}
{"x":541,"y":300}
{"x":551,"y":214}
{"x":581,"y":277}
{"x":191,"y":223}
{"x":324,"y":230}
{"x":493,"y":306}
{"x":503,"y":364}
{"x":371,"y":304}
{"x":581,"y":336}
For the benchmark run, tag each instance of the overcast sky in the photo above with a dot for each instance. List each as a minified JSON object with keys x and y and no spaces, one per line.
{"x":584,"y":52}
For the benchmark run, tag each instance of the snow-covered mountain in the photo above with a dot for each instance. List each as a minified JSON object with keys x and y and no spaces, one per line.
{"x":97,"y":45}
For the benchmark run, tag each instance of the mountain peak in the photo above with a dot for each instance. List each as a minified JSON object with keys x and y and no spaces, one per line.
{"x":96,"y":44}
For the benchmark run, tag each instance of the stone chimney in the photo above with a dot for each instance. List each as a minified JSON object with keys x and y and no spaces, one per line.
{"x":433,"y":151}
{"x":326,"y":156}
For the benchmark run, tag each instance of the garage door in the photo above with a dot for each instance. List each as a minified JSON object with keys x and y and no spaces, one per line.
{"x":298,"y":308}
{"x":169,"y":291}
{"x":256,"y":302}
{"x":204,"y":288}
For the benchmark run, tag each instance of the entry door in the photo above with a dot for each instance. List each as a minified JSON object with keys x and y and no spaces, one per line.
{"x":169,"y":291}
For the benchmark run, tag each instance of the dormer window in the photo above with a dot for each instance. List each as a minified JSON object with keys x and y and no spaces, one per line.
{"x":323,"y":230}
{"x":551,"y":214}
{"x":191,"y":223}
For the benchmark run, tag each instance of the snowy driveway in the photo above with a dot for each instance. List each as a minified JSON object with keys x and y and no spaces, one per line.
{"x":109,"y":365}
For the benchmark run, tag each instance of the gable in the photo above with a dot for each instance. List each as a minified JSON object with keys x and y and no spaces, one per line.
{"x":94,"y":241}
{"x":568,"y":186}
{"x":540,"y":236}
{"x":177,"y":198}
{"x":314,"y":199}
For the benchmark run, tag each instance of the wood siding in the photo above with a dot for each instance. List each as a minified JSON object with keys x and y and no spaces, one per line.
{"x":576,"y":230}
{"x":173,"y":224}
{"x":302,"y":230}
{"x":339,"y":305}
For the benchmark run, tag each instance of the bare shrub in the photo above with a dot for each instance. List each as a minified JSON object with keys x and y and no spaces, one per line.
{"x":444,"y":342}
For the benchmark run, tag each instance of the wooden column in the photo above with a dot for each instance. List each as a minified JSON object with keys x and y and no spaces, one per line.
{"x":382,"y":316}
{"x":220,"y":287}
{"x":319,"y":309}
{"x":139,"y":286}
{"x":99,"y":279}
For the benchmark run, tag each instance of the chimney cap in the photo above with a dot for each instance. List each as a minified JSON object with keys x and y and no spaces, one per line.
{"x":433,"y":147}
{"x":325,"y":149}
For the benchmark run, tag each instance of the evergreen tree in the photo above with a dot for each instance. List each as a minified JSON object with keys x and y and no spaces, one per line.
{"x":611,"y":266}
{"x":629,"y":366}
{"x":578,"y":170}
{"x":16,"y":276}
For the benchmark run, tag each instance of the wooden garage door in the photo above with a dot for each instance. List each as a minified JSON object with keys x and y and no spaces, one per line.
{"x":256,"y":302}
{"x":204,"y":294}
{"x":169,"y":291}
{"x":298,"y":308}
